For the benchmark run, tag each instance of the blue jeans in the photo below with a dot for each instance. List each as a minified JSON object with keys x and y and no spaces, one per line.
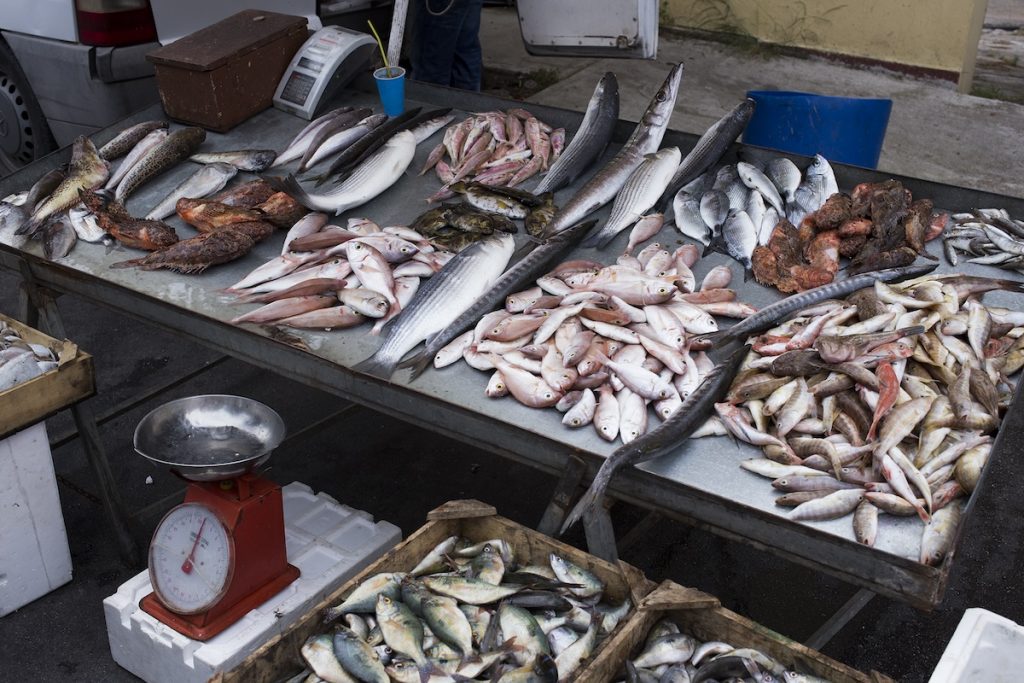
{"x":446,"y":48}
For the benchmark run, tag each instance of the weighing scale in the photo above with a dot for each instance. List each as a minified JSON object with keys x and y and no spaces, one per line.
{"x":326,"y":62}
{"x":221,"y":553}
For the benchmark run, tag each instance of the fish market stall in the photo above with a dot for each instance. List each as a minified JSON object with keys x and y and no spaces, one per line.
{"x":701,"y":483}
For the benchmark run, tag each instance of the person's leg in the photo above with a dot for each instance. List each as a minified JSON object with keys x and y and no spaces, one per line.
{"x":467,"y":66}
{"x":435,"y":39}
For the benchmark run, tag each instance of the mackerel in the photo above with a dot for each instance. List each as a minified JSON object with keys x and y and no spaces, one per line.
{"x":124,"y":141}
{"x":639,"y":193}
{"x":607,"y":182}
{"x":664,"y":438}
{"x":526,"y":270}
{"x":590,"y":140}
{"x":440,"y":301}
{"x":204,"y":182}
{"x":176,"y":147}
{"x":709,"y":149}
{"x":769,"y":315}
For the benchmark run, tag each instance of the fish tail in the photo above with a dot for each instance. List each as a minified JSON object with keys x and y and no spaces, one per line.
{"x":378,"y":367}
{"x":1011,"y":285}
{"x":711,"y":338}
{"x":590,"y":500}
{"x":290,"y":185}
{"x":30,"y":227}
{"x":599,"y":238}
{"x":418,"y":364}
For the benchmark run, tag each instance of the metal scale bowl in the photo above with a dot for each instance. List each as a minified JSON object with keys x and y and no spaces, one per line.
{"x":222,"y":552}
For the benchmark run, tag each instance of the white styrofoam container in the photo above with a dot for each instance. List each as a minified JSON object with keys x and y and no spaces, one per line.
{"x":606,"y":28}
{"x":985,"y":647}
{"x":327,"y":541}
{"x":34,"y":554}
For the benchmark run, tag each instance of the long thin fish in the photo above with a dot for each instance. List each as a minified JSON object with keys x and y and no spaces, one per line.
{"x":526,"y":270}
{"x":344,"y":138}
{"x":373,"y":176}
{"x":140,"y":150}
{"x":298,"y":144}
{"x":368,"y":144}
{"x":769,"y":315}
{"x":123,"y":142}
{"x":664,"y":438}
{"x":440,"y":301}
{"x":640,"y":191}
{"x":204,"y":182}
{"x":709,"y":149}
{"x":252,"y":160}
{"x":590,"y":140}
{"x":607,"y":182}
{"x":175,"y":148}
{"x":335,"y":125}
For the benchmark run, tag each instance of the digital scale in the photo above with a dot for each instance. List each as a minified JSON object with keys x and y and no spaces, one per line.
{"x":326,"y":62}
{"x":221,"y":553}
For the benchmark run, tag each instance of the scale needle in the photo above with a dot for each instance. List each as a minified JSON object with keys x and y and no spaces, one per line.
{"x":187,"y":565}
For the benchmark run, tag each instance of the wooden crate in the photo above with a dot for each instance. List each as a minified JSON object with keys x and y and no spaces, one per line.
{"x":35,"y":400}
{"x":468,"y":518}
{"x":702,"y":616}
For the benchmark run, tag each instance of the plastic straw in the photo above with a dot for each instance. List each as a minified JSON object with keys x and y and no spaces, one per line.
{"x":380,"y":45}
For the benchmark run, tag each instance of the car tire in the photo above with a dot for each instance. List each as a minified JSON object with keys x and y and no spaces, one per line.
{"x":24,"y":133}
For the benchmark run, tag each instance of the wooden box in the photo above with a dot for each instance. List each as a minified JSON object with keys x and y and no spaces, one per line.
{"x":225,"y":73}
{"x":472,"y":519}
{"x":35,"y":400}
{"x":702,"y":616}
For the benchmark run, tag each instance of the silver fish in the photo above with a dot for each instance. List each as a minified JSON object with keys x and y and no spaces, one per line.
{"x":590,"y":140}
{"x":254,"y":160}
{"x":786,"y":177}
{"x":686,"y":210}
{"x":440,"y":301}
{"x":375,"y":175}
{"x":299,"y":143}
{"x":639,"y":193}
{"x":85,"y":226}
{"x":607,"y":182}
{"x":204,"y":182}
{"x":334,"y":125}
{"x":753,"y":178}
{"x":822,"y":169}
{"x":342,"y":139}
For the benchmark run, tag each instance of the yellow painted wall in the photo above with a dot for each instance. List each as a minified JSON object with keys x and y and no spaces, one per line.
{"x":935,"y":34}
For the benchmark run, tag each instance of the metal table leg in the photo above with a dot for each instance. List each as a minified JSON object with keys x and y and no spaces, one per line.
{"x":85,"y":421}
{"x":840,"y":619}
{"x":561,"y":499}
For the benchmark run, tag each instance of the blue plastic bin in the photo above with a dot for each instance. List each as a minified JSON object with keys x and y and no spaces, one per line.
{"x":844,"y":129}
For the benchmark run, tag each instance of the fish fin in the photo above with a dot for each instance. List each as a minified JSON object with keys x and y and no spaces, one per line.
{"x":290,"y":185}
{"x":711,"y":338}
{"x":417,"y":363}
{"x":747,"y":274}
{"x":131,"y":263}
{"x":376,"y":367}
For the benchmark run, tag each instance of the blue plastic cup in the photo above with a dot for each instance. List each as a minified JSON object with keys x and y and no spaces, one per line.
{"x":844,"y":129}
{"x":391,"y":89}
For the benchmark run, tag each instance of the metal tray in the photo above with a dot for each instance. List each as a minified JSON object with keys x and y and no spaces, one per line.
{"x":701,"y":483}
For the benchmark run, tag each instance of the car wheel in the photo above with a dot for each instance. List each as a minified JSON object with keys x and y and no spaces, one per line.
{"x":24,"y":133}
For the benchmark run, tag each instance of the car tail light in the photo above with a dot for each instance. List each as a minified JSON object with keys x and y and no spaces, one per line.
{"x":114,"y":22}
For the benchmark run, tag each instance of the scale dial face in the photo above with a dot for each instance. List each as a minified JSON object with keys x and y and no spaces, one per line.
{"x":191,"y":559}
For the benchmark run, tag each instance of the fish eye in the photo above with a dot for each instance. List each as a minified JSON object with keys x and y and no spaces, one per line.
{"x":661,"y":96}
{"x":662,"y":290}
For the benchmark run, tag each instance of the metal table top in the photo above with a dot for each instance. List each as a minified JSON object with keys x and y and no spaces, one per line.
{"x":701,"y":483}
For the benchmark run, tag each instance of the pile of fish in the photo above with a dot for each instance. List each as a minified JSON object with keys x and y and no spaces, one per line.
{"x":21,"y":361}
{"x":601,"y":342}
{"x":467,"y":611}
{"x":878,"y":225}
{"x":885,"y":402}
{"x":494,"y":148}
{"x":229,"y":227}
{"x":672,"y":656}
{"x":337,"y":277}
{"x":989,"y":236}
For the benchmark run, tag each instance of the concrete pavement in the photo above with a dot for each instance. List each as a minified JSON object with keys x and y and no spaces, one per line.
{"x":934,"y":132}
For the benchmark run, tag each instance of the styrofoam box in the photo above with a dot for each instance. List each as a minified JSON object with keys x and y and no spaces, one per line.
{"x":986,"y":647}
{"x":34,"y":554}
{"x":327,"y":541}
